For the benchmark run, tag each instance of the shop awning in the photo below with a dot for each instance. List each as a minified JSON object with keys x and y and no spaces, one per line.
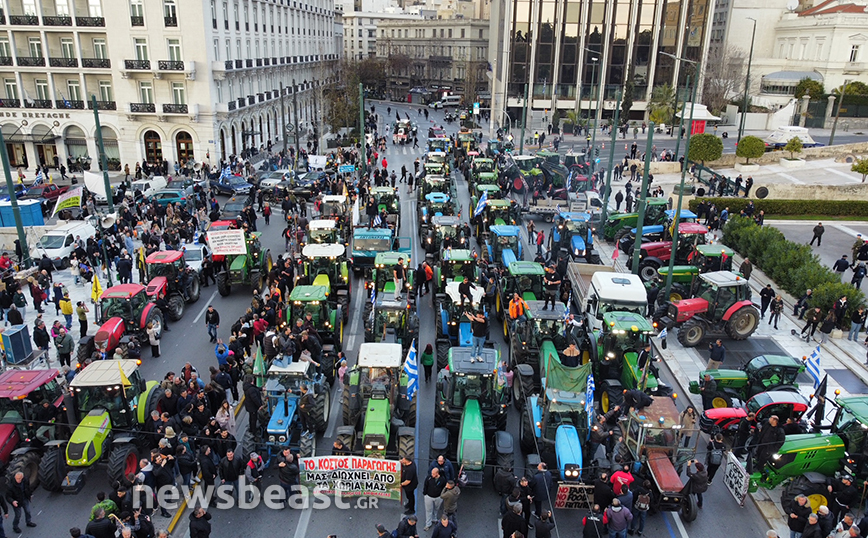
{"x":21,"y":138}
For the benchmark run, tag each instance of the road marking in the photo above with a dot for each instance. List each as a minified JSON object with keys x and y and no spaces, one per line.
{"x":330,"y":431}
{"x":792,"y":179}
{"x":677,"y":518}
{"x":843,"y":174}
{"x":846,"y":229}
{"x":303,"y":523}
{"x":204,"y":308}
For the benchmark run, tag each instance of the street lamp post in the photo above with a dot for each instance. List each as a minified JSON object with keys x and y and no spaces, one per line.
{"x":838,"y":112}
{"x":680,"y":119}
{"x":594,"y":59}
{"x":746,"y":84}
{"x":605,"y":209}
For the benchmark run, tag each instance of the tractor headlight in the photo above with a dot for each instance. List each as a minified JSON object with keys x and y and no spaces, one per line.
{"x":270,"y":438}
{"x":381,"y":447}
{"x":369,"y":447}
{"x":776,"y":456}
{"x":282,"y":438}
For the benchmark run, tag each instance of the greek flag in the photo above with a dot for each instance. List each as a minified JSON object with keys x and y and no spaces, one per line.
{"x":226,"y":173}
{"x":662,"y":334}
{"x":569,"y":181}
{"x":411,"y":368}
{"x":589,"y":400}
{"x":813,"y":366}
{"x":378,"y":221}
{"x":373,"y":294}
{"x":480,"y":206}
{"x":39,"y":178}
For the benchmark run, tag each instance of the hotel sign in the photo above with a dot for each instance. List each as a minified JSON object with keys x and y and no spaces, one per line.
{"x":35,"y":115}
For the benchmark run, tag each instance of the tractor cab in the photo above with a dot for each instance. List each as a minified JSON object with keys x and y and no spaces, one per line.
{"x":392,"y":322}
{"x":122,"y":301}
{"x":504,"y":245}
{"x":715,"y":293}
{"x":573,"y":234}
{"x":495,"y":213}
{"x":323,"y":231}
{"x":382,"y":277}
{"x":451,"y":321}
{"x":524,"y":278}
{"x":550,"y":157}
{"x":851,"y":425}
{"x":484,"y":170}
{"x":22,"y":393}
{"x":367,"y":243}
{"x":386,"y":199}
{"x":546,"y":324}
{"x":784,"y":404}
{"x":436,"y":163}
{"x":282,"y":394}
{"x":309,"y":300}
{"x":166,"y":263}
{"x":467,"y":140}
{"x":527,"y":164}
{"x":707,"y":258}
{"x":446,"y":232}
{"x":455,"y":264}
{"x":325,"y":265}
{"x":578,"y":159}
{"x":334,"y":206}
{"x":561,"y":419}
{"x":436,"y":204}
{"x":438,"y":145}
{"x":622,"y":337}
{"x":434,"y":183}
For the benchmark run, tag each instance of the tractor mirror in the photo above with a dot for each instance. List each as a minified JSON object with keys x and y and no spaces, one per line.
{"x":439,"y":386}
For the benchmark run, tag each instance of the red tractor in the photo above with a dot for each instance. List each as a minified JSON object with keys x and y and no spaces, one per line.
{"x":123,"y":312}
{"x":719,"y":305}
{"x":172,"y":279}
{"x":656,"y":254}
{"x":22,"y":432}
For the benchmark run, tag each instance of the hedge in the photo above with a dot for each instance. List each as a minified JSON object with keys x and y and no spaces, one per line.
{"x":837,"y":208}
{"x":792,"y":266}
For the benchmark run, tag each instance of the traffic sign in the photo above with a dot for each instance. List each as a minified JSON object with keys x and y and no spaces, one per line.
{"x":346,"y":169}
{"x":475,"y":109}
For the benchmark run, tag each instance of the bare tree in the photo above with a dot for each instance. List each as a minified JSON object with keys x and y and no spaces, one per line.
{"x":724,"y":76}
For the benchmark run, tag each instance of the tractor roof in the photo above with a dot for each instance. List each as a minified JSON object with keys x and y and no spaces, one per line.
{"x":383,"y":190}
{"x":457,"y":255}
{"x":321,"y":224}
{"x":523,"y":157}
{"x":545,"y":153}
{"x":323,"y":250}
{"x":334,"y":199}
{"x":383,"y":259}
{"x":627,"y":321}
{"x":656,"y":201}
{"x":575,"y":216}
{"x":526,"y":268}
{"x":499,"y":203}
{"x":460,"y":363}
{"x":379,"y":355}
{"x":488,"y":187}
{"x":280,"y":368}
{"x":438,"y":154}
{"x":723,"y":279}
{"x":775,"y":360}
{"x":306,"y":294}
{"x":388,"y":302}
{"x":778,"y":396}
{"x":437,"y":197}
{"x":435,"y":177}
{"x":535,"y":310}
{"x":164,"y":256}
{"x":618,"y":287}
{"x":122,"y":291}
{"x":714,"y":251}
{"x":446,"y":220}
{"x":482,"y":160}
{"x":856,"y":405}
{"x":685,"y":214}
{"x":504,"y":230}
{"x":692,"y":228}
{"x":17,"y":384}
{"x":104,"y":373}
{"x":476,"y":292}
{"x":223,"y":225}
{"x":372,"y":233}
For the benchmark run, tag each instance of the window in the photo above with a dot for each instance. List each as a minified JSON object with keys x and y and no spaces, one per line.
{"x":214,"y":10}
{"x":5,"y":50}
{"x":179,"y":96}
{"x":480,"y":33}
{"x":35,"y":47}
{"x":237,"y":20}
{"x":141,"y":49}
{"x":146,"y":92}
{"x":137,"y":8}
{"x":61,"y":8}
{"x":29,"y":7}
{"x":257,"y":49}
{"x":170,"y":9}
{"x":462,"y":33}
{"x":105,"y":90}
{"x":228,"y":49}
{"x":11,"y":88}
{"x":42,"y":89}
{"x":231,"y":90}
{"x":249,"y":50}
{"x":854,"y":53}
{"x":219,"y":86}
{"x":217,"y":49}
{"x":99,"y":48}
{"x":238,"y":49}
{"x":74,"y":88}
{"x":450,"y":33}
{"x":67,"y":47}
{"x":441,"y":33}
{"x":94,"y":8}
{"x":174,"y":50}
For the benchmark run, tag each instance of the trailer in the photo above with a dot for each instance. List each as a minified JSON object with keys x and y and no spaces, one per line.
{"x":597,"y":289}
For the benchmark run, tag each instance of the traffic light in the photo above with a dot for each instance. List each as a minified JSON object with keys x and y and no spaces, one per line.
{"x":596,"y":152}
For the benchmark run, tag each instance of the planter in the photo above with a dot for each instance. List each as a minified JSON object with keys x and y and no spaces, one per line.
{"x":747,"y":168}
{"x":792,"y":163}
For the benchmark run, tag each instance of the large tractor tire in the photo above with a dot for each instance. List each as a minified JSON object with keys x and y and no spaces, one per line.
{"x":82,"y":354}
{"x":807,"y":485}
{"x":52,"y":468}
{"x":153,"y":401}
{"x":123,"y":462}
{"x":648,"y":270}
{"x":306,"y":446}
{"x":743,"y":323}
{"x":407,"y":445}
{"x":611,"y":394}
{"x":176,"y":307}
{"x":721,"y":399}
{"x":443,"y":346}
{"x":691,"y":333}
{"x":248,"y":444}
{"x":347,"y":439}
{"x":344,"y":305}
{"x":526,"y":439}
{"x":321,"y":408}
{"x":677,"y":292}
{"x":410,"y":414}
{"x":522,"y":387}
{"x":223,"y":285}
{"x":193,"y":291}
{"x":155,"y":316}
{"x":626,"y":230}
{"x":689,"y":508}
{"x":27,"y":463}
{"x":328,"y":366}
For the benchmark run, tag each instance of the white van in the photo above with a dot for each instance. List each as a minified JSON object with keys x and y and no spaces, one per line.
{"x":57,"y":244}
{"x":147,"y":187}
{"x":451,"y":100}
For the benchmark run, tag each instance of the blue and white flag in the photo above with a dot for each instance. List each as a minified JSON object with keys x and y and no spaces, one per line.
{"x":411,"y":368}
{"x":569,"y":181}
{"x":226,"y":173}
{"x":373,"y":294}
{"x":378,"y":222}
{"x":39,"y":178}
{"x":813,"y":366}
{"x":480,"y":205}
{"x":662,"y":334}
{"x":589,"y":400}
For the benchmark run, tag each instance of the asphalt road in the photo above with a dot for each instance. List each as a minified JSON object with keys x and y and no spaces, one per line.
{"x":838,"y":239}
{"x":478,"y":512}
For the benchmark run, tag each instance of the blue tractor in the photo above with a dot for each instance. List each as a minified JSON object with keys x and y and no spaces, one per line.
{"x":453,"y":327}
{"x":503,"y":246}
{"x":572,"y":238}
{"x":282,"y":427}
{"x":436,"y":204}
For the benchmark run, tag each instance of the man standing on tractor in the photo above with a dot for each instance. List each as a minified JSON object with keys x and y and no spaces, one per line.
{"x":398,"y":276}
{"x":552,"y":286}
{"x":305,"y":406}
{"x":517,"y":307}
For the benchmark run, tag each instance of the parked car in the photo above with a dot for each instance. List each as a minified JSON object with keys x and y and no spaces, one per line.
{"x":232,"y":185}
{"x":194,"y":254}
{"x":233,"y":207}
{"x":165,"y":197}
{"x":272,"y":179}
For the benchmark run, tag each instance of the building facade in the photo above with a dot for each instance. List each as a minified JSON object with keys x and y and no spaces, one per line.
{"x":360,"y":31}
{"x":175,"y":81}
{"x":575,"y":56}
{"x":437,"y":55}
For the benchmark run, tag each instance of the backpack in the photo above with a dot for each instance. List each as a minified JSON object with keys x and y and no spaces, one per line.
{"x":715,"y":457}
{"x":643,"y":502}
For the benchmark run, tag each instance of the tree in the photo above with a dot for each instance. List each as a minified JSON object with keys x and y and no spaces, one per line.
{"x":794,"y":145}
{"x":627,"y":98}
{"x":750,"y":147}
{"x":860,"y":167}
{"x":705,"y":147}
{"x":810,"y":87}
{"x":853,"y":88}
{"x":724,"y":76}
{"x":662,"y":104}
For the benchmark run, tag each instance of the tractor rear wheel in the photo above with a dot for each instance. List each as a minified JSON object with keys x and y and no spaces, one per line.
{"x":320,"y":414}
{"x":816,"y":493}
{"x":176,"y":307}
{"x":410,"y":416}
{"x":626,"y":230}
{"x":27,"y":463}
{"x":677,"y":292}
{"x":223,"y":285}
{"x":691,"y":333}
{"x":743,"y":323}
{"x":522,"y":388}
{"x":306,"y":446}
{"x":526,"y":439}
{"x":328,"y":366}
{"x":346,"y":413}
{"x":347,"y":439}
{"x":193,"y":291}
{"x":721,"y":399}
{"x":52,"y":469}
{"x":610,"y":396}
{"x":123,"y":462}
{"x":407,"y":446}
{"x":648,"y":270}
{"x":248,"y":444}
{"x":443,"y":346}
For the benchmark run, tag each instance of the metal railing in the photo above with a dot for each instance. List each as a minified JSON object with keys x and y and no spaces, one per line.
{"x":63,"y":62}
{"x":171,"y":108}
{"x":170,"y":65}
{"x":25,"y":20}
{"x":137,"y":21}
{"x":103,"y":105}
{"x":38,"y":103}
{"x":90,"y":21}
{"x":147,"y":108}
{"x":57,"y":21}
{"x":100,"y":63}
{"x":31,"y":61}
{"x":137,"y":64}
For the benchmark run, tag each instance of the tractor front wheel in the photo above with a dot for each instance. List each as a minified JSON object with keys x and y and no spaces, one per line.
{"x":123,"y":462}
{"x":320,"y":414}
{"x":522,"y":387}
{"x":691,"y":333}
{"x":27,"y":463}
{"x":176,"y":307}
{"x":743,"y":323}
{"x":648,"y":270}
{"x":689,"y":508}
{"x":816,"y":493}
{"x":443,"y":346}
{"x":721,"y":399}
{"x":193,"y":291}
{"x":526,"y":439}
{"x":155,"y":316}
{"x":223,"y":285}
{"x":52,"y":469}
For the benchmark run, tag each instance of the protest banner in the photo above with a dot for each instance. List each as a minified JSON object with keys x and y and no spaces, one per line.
{"x":71,"y":198}
{"x":227,"y":242}
{"x":352,"y":476}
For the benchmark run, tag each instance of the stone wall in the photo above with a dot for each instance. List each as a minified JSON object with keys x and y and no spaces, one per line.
{"x":728,"y":160}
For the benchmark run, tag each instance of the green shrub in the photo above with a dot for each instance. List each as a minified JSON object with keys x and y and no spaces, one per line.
{"x":834,"y":208}
{"x":791,"y":266}
{"x":750,"y":147}
{"x":705,"y":147}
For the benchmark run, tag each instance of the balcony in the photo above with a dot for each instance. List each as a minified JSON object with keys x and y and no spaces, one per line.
{"x":170,"y":65}
{"x":174,"y":109}
{"x":31,"y":61}
{"x":251,"y":99}
{"x":170,"y":22}
{"x":231,"y":105}
{"x":10,"y":103}
{"x":267,"y":61}
{"x":248,"y":63}
{"x":229,"y":64}
{"x":63,"y":62}
{"x":69,"y":104}
{"x":261,"y":97}
{"x":268,"y":95}
{"x":38,"y":103}
{"x":96,"y":63}
{"x":143,"y":108}
{"x":90,"y":21}
{"x":141,"y":65}
{"x":24,"y":20}
{"x":242,"y":102}
{"x":5,"y":60}
{"x":137,"y":21}
{"x":259,"y":62}
{"x":103,"y":105}
{"x":273,"y":61}
{"x":57,"y":21}
{"x":239,"y":64}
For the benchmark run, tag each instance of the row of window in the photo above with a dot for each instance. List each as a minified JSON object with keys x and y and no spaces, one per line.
{"x":320,"y":20}
{"x":419,"y":33}
{"x":423,"y":51}
{"x":173,"y":46}
{"x":793,"y":50}
{"x":67,"y":47}
{"x":61,"y":8}
{"x":73,"y":90}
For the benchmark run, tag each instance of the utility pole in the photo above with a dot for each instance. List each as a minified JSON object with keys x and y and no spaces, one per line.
{"x":637,"y":243}
{"x":603,"y":213}
{"x":746,"y":85}
{"x":597,"y":101}
{"x":364,"y":153}
{"x":16,"y":212}
{"x":283,"y":121}
{"x":838,"y":112}
{"x":681,"y":118}
{"x":523,"y":120}
{"x":102,"y":159}
{"x":295,"y":117}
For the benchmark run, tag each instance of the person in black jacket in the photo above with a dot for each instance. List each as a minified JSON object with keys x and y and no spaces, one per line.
{"x":212,"y":321}
{"x":603,"y":492}
{"x":164,"y":476}
{"x":252,"y":403}
{"x":769,"y":440}
{"x":200,"y":526}
{"x":797,"y":518}
{"x":409,"y":483}
{"x":40,"y":336}
{"x":230,"y":469}
{"x":287,"y":472}
{"x":19,"y":495}
{"x":407,"y":527}
{"x":845,"y":496}
{"x":513,"y":521}
{"x":766,"y":296}
{"x":99,"y":527}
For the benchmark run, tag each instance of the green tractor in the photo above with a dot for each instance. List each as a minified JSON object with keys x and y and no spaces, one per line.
{"x":329,"y":321}
{"x":382,"y":282}
{"x":324,"y":232}
{"x":244,"y":267}
{"x":496,"y":213}
{"x":704,"y":259}
{"x":386,"y":199}
{"x":379,"y":418}
{"x":437,"y":163}
{"x":432,"y":183}
{"x":761,"y":374}
{"x":111,"y":402}
{"x":391,"y":321}
{"x":482,"y":172}
{"x":625,"y":222}
{"x":443,"y":227}
{"x":532,"y":342}
{"x":492,"y":192}
{"x":326,"y":265}
{"x":470,"y":414}
{"x":455,"y":264}
{"x":524,"y":278}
